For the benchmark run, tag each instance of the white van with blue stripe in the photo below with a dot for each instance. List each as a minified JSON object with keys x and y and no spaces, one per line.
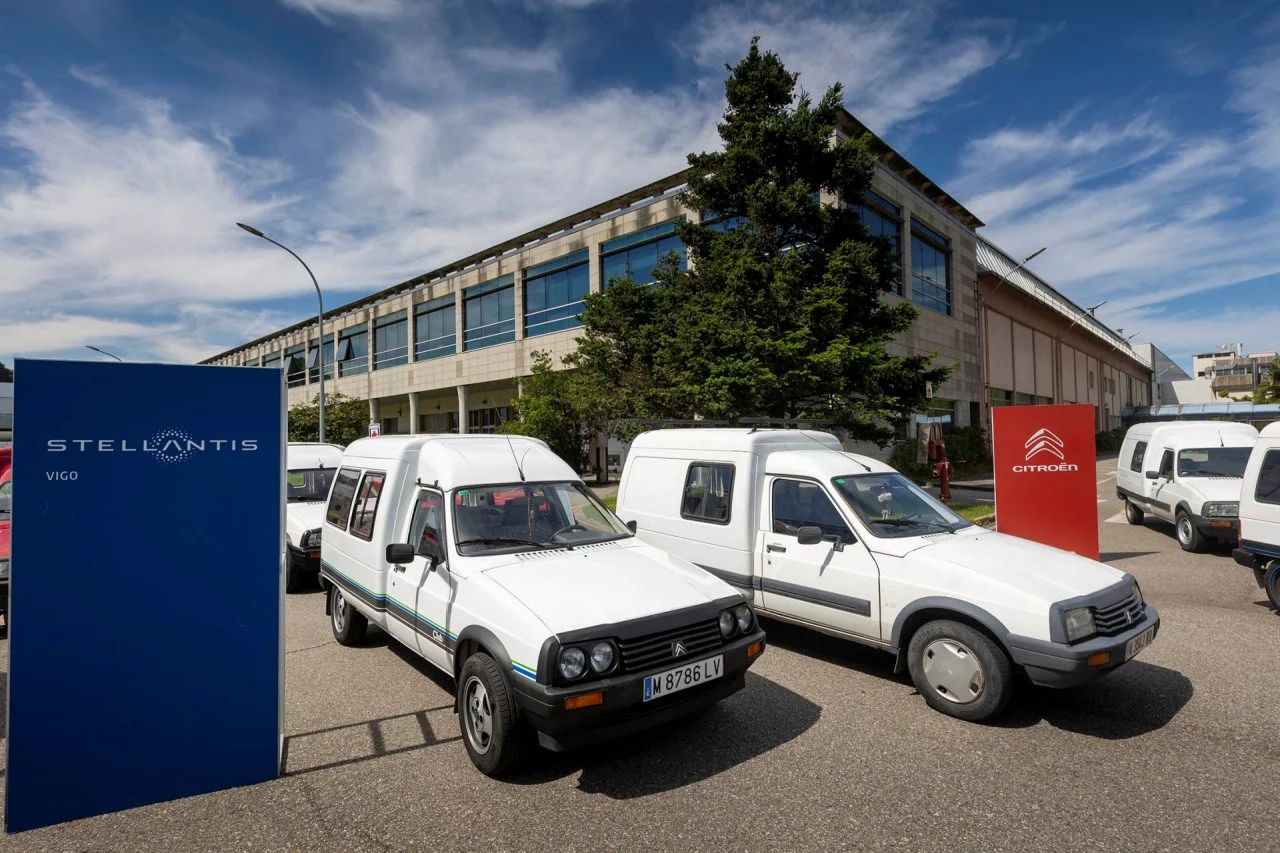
{"x":490,"y":558}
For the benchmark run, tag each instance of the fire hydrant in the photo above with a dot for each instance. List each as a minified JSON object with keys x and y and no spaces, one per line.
{"x":942,"y":470}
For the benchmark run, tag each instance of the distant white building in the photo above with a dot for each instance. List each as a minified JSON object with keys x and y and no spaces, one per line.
{"x":1230,"y":371}
{"x":1164,"y":373}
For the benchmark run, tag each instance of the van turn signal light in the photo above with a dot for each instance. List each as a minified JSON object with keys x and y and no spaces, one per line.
{"x":754,"y":649}
{"x":584,"y":700}
{"x":1099,"y":659}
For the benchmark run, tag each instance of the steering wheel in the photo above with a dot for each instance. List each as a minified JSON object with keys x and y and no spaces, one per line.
{"x":567,"y":528}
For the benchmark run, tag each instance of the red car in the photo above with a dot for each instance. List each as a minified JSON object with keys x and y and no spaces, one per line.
{"x":6,"y":504}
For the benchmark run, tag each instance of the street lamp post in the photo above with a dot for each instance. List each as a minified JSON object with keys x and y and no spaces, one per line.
{"x":104,"y":352}
{"x":1025,"y":261}
{"x":319,"y":317}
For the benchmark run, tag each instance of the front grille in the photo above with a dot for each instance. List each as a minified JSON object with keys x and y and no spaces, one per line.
{"x":1117,"y":617}
{"x":652,"y":650}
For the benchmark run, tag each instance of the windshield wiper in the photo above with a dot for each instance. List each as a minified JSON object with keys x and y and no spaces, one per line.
{"x":911,"y":522}
{"x":499,"y":540}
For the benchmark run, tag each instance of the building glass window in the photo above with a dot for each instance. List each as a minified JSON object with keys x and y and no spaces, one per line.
{"x":391,"y":341}
{"x":636,"y":256}
{"x":1000,"y":397}
{"x":883,"y":218}
{"x":930,"y":269}
{"x":353,"y":352}
{"x":271,"y":359}
{"x":487,"y":420}
{"x":489,"y":314}
{"x":434,"y":334}
{"x":295,"y":371}
{"x":438,"y":422}
{"x":555,"y":293}
{"x":313,"y":360}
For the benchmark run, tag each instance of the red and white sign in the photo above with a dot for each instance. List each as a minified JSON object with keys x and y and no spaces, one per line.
{"x":1046,"y":475}
{"x":375,"y":429}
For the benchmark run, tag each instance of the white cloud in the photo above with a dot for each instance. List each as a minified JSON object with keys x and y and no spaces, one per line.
{"x":367,"y":9}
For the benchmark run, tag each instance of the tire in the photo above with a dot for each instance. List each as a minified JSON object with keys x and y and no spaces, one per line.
{"x":940,"y":656}
{"x":1132,"y":514}
{"x":1188,"y":537}
{"x":1272,"y":583}
{"x":294,"y":576}
{"x":493,"y":732}
{"x":348,"y":624}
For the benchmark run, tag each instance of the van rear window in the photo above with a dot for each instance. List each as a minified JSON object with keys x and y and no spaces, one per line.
{"x":1139,"y":453}
{"x":708,"y":492}
{"x":341,"y":497}
{"x":1268,"y":489}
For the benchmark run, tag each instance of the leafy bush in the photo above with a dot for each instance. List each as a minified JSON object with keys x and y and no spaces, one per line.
{"x":1109,"y":441}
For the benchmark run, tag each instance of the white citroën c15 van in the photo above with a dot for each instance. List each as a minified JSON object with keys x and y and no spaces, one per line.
{"x":310,"y":467}
{"x":1187,"y":473}
{"x":488,"y":556}
{"x":1259,"y":545}
{"x":846,"y":545}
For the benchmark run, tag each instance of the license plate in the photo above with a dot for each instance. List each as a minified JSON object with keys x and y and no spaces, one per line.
{"x":682,"y":677}
{"x":1139,"y":642}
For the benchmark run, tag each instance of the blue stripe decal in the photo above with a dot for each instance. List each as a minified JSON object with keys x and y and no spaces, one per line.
{"x":525,"y":671}
{"x":386,"y":600}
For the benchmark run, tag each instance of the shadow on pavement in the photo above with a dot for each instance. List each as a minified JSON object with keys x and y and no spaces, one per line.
{"x":1111,"y":556}
{"x":759,"y":718}
{"x":1135,"y":699}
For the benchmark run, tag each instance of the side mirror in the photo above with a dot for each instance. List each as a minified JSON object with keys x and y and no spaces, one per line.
{"x":400,"y":554}
{"x":809,"y":535}
{"x":1152,"y":475}
{"x":631,"y":525}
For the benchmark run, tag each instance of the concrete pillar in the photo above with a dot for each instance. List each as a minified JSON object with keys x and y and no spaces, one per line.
{"x":463,"y":407}
{"x":518,"y":299}
{"x":457,"y":320}
{"x":595,"y":273}
{"x":373,"y":409}
{"x":413,"y":413}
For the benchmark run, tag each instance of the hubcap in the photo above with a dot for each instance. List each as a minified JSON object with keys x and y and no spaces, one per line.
{"x":1184,"y":531}
{"x":339,"y":608}
{"x":478,"y":713}
{"x":953,"y":671}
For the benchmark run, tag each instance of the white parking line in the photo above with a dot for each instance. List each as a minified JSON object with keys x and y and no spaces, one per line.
{"x":1118,"y":518}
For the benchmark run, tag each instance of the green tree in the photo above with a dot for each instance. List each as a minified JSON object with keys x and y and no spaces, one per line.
{"x":546,"y":410}
{"x":780,"y":313}
{"x":345,"y":419}
{"x":6,"y":373}
{"x":1268,"y":390}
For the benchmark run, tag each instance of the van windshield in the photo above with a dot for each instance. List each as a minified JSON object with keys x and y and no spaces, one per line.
{"x":892,"y":506}
{"x":1213,"y":461}
{"x":527,"y":516}
{"x":309,"y":484}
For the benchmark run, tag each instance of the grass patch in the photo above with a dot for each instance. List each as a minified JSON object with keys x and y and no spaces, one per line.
{"x":611,"y":502}
{"x":971,"y":511}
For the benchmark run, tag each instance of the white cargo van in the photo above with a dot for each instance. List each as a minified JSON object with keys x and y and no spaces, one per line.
{"x":1187,"y":473}
{"x":846,"y":545}
{"x":489,"y":557}
{"x":310,"y":469}
{"x":1259,"y":543}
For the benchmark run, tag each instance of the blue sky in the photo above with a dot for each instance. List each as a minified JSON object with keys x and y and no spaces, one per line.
{"x":381,"y":138}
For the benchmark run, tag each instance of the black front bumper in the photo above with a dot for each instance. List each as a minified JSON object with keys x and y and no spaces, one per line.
{"x":1217,"y":528}
{"x":1061,"y":665}
{"x":306,"y":561}
{"x":624,"y":710}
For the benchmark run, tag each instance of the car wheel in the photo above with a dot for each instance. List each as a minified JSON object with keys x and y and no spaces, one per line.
{"x":1132,"y":514}
{"x":492,"y":729}
{"x":293,"y":575}
{"x":959,"y":670}
{"x":349,"y":624}
{"x":1188,"y":537}
{"x":1272,"y":583}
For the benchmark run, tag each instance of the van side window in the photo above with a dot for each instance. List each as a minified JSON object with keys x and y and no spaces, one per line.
{"x":1268,"y":488}
{"x":708,"y":492}
{"x":1139,"y":453}
{"x":1166,"y":464}
{"x":798,"y":503}
{"x":344,"y":492}
{"x":426,"y":530}
{"x":366,"y":509}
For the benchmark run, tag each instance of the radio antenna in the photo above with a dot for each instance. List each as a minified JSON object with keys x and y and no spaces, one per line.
{"x":519,"y":467}
{"x":864,"y":465}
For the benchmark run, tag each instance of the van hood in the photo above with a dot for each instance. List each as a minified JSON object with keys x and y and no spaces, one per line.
{"x":603,"y":585}
{"x":1214,"y":488}
{"x":1048,"y":573}
{"x":301,"y":516}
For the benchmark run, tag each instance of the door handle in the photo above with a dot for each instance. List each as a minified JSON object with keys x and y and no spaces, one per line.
{"x":397,"y":568}
{"x":773,"y":547}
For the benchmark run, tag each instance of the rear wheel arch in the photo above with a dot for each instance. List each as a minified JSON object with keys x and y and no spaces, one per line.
{"x":925,"y":610}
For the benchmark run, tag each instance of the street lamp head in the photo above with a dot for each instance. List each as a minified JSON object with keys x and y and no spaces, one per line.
{"x":254,"y":231}
{"x":1035,"y":253}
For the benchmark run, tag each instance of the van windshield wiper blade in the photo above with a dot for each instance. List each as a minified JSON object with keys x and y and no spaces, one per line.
{"x":911,"y":522}
{"x":500,"y":540}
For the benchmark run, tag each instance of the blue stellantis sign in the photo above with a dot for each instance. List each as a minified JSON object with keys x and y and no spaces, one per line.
{"x":146,"y":652}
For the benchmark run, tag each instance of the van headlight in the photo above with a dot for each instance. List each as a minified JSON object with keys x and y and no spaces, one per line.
{"x":311,"y":540}
{"x":572,"y":663}
{"x":1221,"y":509}
{"x":1079,"y":623}
{"x":602,"y":657}
{"x":743,"y":614}
{"x":728,"y":623}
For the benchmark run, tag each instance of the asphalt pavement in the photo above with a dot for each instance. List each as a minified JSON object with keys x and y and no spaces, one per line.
{"x":826,"y":749}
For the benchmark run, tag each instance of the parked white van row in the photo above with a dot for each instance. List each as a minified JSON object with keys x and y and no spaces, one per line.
{"x":1188,"y":473}
{"x":1258,"y":547}
{"x":846,"y":545}
{"x":310,"y":469}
